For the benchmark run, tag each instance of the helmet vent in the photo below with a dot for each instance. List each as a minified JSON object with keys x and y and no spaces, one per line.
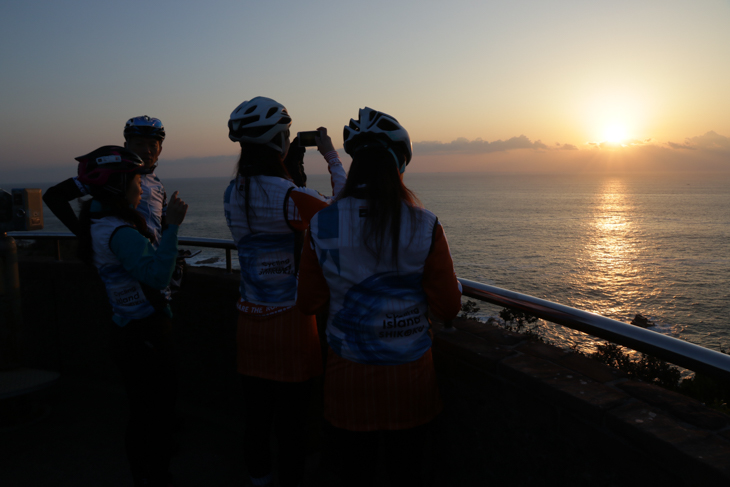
{"x":250,"y":109}
{"x":256,"y":131}
{"x":248,"y":120}
{"x":387,"y":125}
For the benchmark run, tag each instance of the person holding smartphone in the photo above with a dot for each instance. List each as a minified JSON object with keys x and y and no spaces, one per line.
{"x":381,"y":262}
{"x":115,"y":238}
{"x":278,"y":345}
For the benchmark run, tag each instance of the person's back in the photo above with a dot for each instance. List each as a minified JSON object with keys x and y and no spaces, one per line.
{"x":278,"y":346}
{"x":380,"y":262}
{"x":265,"y":240}
{"x":377,"y":304}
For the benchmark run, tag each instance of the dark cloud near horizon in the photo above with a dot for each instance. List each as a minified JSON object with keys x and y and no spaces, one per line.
{"x":711,"y":141}
{"x":478,"y":146}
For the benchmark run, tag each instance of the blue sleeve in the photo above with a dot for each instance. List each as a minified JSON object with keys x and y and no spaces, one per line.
{"x":139,"y":257}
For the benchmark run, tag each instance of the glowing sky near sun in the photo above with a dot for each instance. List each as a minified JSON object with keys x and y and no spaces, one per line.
{"x":564,"y":75}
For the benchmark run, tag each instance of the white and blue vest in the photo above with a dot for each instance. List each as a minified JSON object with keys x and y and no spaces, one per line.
{"x":378,"y":313}
{"x":153,"y":205}
{"x":124,"y":291}
{"x":267,"y":249}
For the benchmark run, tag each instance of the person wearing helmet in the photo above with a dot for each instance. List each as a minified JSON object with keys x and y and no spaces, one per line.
{"x":115,"y":238}
{"x":278,"y":346}
{"x":143,"y":136}
{"x":382,"y":262}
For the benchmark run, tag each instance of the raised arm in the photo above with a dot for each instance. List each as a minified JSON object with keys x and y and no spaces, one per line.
{"x":138,"y":256}
{"x":58,"y":199}
{"x":149,"y":266}
{"x":334,"y":165}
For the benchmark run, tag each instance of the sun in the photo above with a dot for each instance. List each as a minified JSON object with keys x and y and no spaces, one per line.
{"x":615,"y":133}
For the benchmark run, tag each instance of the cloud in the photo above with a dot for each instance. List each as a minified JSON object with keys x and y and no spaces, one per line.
{"x":680,"y":146}
{"x":711,"y":141}
{"x":478,"y":146}
{"x":619,"y":145}
{"x":568,"y":147}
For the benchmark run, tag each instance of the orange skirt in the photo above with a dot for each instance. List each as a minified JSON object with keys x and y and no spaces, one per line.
{"x":282,"y":347}
{"x":360,"y":397}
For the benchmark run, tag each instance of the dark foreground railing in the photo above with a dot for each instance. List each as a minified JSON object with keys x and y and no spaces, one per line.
{"x":678,"y":352}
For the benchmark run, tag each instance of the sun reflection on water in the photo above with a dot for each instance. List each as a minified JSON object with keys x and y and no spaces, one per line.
{"x":607,"y":280}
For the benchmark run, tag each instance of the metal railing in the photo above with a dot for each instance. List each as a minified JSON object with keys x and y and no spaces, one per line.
{"x":678,"y":352}
{"x":213,"y":243}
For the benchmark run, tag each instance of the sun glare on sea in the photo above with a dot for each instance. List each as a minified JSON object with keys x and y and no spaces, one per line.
{"x":615,"y":134}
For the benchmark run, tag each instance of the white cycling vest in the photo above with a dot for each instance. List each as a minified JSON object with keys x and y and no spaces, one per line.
{"x":378,"y":313}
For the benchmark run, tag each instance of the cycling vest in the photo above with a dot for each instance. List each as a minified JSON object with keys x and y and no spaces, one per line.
{"x":125,"y":293}
{"x":267,"y":243}
{"x":153,"y":205}
{"x":378,"y":313}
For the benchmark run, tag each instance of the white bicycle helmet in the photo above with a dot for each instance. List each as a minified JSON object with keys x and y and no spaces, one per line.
{"x":144,"y":126}
{"x":374,"y":127}
{"x":261,"y":121}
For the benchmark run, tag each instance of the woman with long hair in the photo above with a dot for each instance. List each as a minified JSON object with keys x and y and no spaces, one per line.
{"x":115,"y":238}
{"x":278,"y":345}
{"x":382,"y":262}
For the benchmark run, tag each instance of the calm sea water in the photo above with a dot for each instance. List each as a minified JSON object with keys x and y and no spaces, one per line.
{"x":615,"y":246}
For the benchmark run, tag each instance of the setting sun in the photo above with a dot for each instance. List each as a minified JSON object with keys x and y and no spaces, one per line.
{"x":615,"y":134}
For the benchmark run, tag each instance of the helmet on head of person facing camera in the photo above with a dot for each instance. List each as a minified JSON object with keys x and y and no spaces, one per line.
{"x":108,"y":170}
{"x":261,"y":120}
{"x":372,"y":129}
{"x":144,"y":126}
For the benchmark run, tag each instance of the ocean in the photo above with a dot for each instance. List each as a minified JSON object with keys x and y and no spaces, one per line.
{"x":612,"y":245}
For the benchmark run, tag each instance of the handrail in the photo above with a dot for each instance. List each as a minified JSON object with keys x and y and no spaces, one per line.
{"x":678,"y":352}
{"x":213,"y":243}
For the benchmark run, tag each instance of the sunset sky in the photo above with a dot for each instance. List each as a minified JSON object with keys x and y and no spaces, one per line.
{"x":481,"y":86}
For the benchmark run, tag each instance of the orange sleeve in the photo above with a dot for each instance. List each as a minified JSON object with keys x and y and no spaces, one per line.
{"x":439,"y":279}
{"x":313,"y":293}
{"x":305,"y":207}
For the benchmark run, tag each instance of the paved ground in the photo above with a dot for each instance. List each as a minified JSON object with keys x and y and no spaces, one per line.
{"x":78,"y":443}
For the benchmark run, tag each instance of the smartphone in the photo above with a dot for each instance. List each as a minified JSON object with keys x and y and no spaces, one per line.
{"x":307,"y":139}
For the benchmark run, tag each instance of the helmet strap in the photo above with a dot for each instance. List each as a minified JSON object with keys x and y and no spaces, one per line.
{"x":399,"y":162}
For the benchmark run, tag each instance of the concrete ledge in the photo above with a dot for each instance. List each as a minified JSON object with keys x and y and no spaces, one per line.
{"x":508,"y":401}
{"x":671,"y":432}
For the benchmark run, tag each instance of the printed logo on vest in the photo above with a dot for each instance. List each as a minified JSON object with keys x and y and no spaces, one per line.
{"x":402,"y":325}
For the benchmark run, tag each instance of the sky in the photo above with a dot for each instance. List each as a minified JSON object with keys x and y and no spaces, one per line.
{"x":519,"y":86}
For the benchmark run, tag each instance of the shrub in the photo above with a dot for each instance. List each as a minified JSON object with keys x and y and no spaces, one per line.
{"x":518,"y":321}
{"x":469,"y":309}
